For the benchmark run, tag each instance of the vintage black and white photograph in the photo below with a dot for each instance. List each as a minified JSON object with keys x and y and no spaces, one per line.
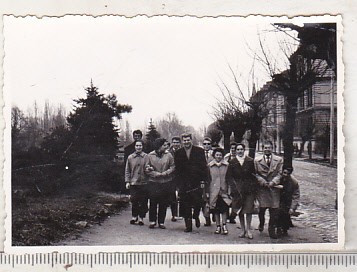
{"x":194,"y":133}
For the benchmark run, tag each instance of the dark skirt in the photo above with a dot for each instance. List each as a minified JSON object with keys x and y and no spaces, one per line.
{"x":221,"y":206}
{"x":247,"y":204}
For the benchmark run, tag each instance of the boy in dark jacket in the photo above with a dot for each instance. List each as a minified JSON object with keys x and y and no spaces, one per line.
{"x":289,"y":200}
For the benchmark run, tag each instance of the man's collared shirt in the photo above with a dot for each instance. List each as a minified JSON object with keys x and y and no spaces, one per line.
{"x":267,"y":159}
{"x":240,"y":159}
{"x":188,"y":152}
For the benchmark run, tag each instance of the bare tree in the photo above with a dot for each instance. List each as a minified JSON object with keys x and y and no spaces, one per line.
{"x":291,"y":83}
{"x":170,"y":125}
{"x":236,"y":112}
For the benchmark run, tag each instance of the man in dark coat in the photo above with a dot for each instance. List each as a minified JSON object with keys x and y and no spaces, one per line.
{"x":191,"y":174}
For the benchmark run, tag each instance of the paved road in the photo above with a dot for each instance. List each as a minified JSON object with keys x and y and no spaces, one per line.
{"x":317,"y":224}
{"x":318,"y":188}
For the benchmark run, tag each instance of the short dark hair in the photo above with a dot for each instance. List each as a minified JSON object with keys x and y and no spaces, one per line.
{"x":243,"y":145}
{"x":218,"y":149}
{"x":233,"y":143}
{"x":207,"y":139}
{"x":138,"y":131}
{"x":158,"y":143}
{"x":140,"y":141}
{"x":290,"y":169}
{"x":176,"y":138}
{"x":267,"y":142}
{"x":185,"y":135}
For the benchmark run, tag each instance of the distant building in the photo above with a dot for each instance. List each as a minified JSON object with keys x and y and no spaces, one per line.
{"x":312,"y":115}
{"x":274,"y":121}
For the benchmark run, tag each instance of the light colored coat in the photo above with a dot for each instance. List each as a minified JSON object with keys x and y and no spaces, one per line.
{"x":163,"y":167}
{"x":268,"y":197}
{"x":135,"y":169}
{"x":218,"y":182}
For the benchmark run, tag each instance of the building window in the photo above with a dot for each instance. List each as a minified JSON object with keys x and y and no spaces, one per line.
{"x":302,"y":102}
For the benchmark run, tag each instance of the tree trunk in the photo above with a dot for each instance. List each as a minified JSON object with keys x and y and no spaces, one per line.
{"x":252,"y":147}
{"x":226,"y":141}
{"x":238,"y":135}
{"x":254,"y":136}
{"x":288,"y":140}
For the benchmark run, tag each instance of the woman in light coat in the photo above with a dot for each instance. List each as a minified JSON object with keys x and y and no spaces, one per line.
{"x":219,"y":199}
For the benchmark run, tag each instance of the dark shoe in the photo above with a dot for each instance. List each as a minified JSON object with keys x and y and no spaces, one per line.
{"x":162,"y":226}
{"x":224,"y":229}
{"x":152,"y":225}
{"x":133,"y":221}
{"x":279,"y":232}
{"x":284,"y":233}
{"x":197,"y":222}
{"x":232,"y":218}
{"x":218,"y":230}
{"x":188,"y":223}
{"x":261,"y":228}
{"x":272,"y":233}
{"x":173,"y":219}
{"x":208,"y":222}
{"x":141,"y":223}
{"x":213,"y":219}
{"x":242,"y":235}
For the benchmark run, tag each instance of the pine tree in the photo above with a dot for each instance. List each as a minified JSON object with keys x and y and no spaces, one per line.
{"x":151,"y":136}
{"x":92,"y":122}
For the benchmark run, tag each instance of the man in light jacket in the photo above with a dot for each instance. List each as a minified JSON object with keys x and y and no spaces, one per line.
{"x":268,"y":172}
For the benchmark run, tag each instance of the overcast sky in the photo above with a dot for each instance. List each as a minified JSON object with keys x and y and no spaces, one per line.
{"x":157,"y":65}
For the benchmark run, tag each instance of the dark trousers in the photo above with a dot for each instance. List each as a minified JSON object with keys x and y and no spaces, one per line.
{"x":273,"y":214}
{"x":173,"y":203}
{"x":284,"y":219}
{"x":159,"y":201}
{"x":139,"y":200}
{"x":191,"y":204}
{"x":157,"y":210}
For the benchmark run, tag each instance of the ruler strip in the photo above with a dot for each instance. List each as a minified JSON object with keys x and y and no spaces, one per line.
{"x":208,"y":260}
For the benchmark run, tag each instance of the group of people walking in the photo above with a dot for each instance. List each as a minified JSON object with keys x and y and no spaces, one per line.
{"x":207,"y":180}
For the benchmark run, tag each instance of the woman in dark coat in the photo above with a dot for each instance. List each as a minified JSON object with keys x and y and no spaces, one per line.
{"x":244,"y":187}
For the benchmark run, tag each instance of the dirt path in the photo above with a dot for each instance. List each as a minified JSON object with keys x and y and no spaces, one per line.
{"x":118,"y":231}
